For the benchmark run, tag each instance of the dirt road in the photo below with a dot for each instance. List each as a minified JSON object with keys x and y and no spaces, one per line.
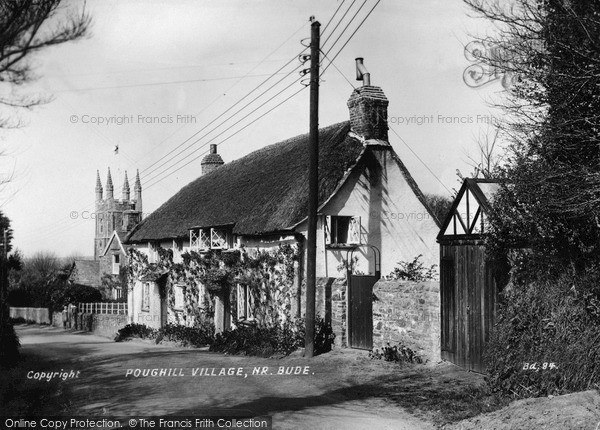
{"x":104,"y":378}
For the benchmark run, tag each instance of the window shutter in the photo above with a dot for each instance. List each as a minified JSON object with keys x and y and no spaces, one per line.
{"x":327,"y":229}
{"x":354,"y":230}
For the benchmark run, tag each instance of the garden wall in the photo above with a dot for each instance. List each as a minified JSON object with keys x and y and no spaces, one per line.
{"x":106,"y":325}
{"x":38,"y":315}
{"x":408,"y":312}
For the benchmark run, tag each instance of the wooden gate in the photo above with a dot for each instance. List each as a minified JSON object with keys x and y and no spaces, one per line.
{"x":360,"y":315}
{"x":360,"y":304}
{"x":469,"y":285}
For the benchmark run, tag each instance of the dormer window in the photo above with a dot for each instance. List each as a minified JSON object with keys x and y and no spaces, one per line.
{"x":209,"y":238}
{"x":342,"y":230}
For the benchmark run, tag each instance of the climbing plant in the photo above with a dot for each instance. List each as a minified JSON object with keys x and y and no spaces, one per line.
{"x":268,"y":274}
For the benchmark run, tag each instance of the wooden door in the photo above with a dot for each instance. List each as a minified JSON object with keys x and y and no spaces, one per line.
{"x":360,"y":315}
{"x":468,"y":296}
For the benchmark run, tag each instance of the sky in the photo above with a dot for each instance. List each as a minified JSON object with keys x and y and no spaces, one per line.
{"x":158,"y":79}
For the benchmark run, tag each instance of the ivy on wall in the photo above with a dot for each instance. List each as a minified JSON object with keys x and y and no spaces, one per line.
{"x":268,"y":274}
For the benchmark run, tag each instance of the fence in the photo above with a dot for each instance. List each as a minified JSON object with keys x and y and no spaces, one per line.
{"x":103,"y":308}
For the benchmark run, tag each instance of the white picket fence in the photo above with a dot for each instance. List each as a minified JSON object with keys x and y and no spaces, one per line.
{"x":103,"y":308}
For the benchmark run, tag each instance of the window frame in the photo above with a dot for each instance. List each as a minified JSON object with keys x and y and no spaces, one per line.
{"x":207,"y":238}
{"x":178,"y":291}
{"x":116,"y":264}
{"x":245,"y":303}
{"x":331,"y":231}
{"x":145,"y":297}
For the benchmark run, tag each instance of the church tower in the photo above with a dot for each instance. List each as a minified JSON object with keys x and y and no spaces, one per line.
{"x":114,"y":215}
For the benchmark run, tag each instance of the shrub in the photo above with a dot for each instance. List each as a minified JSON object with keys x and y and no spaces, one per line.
{"x":9,"y":342}
{"x":136,"y":331}
{"x":413,"y":271}
{"x":201,"y":335}
{"x":546,"y":321}
{"x":397,"y":353}
{"x":267,"y":341}
{"x":253,"y":340}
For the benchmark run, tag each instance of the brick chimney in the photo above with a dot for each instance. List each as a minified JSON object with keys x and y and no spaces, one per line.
{"x":368,"y":107}
{"x":211,"y":161}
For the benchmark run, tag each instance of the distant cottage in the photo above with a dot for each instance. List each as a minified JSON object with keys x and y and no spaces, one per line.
{"x":371,"y":215}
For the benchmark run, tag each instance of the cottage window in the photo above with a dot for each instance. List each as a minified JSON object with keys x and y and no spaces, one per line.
{"x":116,"y":264}
{"x":342,"y":230}
{"x":244,"y":303}
{"x":178,"y":293}
{"x":201,"y":296}
{"x":218,"y":239}
{"x":209,"y":238}
{"x":152,"y":253}
{"x":146,"y":296}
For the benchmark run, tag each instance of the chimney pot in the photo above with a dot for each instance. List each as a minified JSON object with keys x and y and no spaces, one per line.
{"x":361,"y":72}
{"x":211,"y":161}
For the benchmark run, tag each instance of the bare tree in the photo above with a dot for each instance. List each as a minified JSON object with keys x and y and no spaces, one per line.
{"x":550,"y":50}
{"x":26,"y":28}
{"x":487,"y":162}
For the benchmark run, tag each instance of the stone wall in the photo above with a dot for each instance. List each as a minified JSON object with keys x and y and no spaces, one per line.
{"x":37,"y":315}
{"x":408,"y":312}
{"x":322,"y":298}
{"x":331,"y":305}
{"x":106,"y":325}
{"x":338,"y":312}
{"x":57,"y":319}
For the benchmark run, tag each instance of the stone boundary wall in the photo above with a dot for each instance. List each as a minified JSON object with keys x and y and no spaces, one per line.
{"x":38,"y":315}
{"x":330,"y":305}
{"x":409,"y":313}
{"x":338,"y":312}
{"x":57,"y":319}
{"x":106,"y":325}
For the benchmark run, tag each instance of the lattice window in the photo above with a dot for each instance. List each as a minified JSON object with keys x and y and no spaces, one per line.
{"x":194,"y":240}
{"x":199,"y":239}
{"x":204,"y":239}
{"x":218,"y":238}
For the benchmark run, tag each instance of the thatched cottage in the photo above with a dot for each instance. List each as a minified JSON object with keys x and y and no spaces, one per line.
{"x":371,"y":215}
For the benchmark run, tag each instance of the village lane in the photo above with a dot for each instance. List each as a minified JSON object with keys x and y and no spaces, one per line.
{"x":105,"y":378}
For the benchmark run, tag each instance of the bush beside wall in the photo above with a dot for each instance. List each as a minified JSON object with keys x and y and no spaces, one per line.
{"x":546,"y":321}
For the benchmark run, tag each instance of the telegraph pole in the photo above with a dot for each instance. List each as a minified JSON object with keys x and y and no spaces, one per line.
{"x":313,"y":191}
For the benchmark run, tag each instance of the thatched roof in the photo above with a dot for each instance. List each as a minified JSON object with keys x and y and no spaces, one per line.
{"x":264,"y":192}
